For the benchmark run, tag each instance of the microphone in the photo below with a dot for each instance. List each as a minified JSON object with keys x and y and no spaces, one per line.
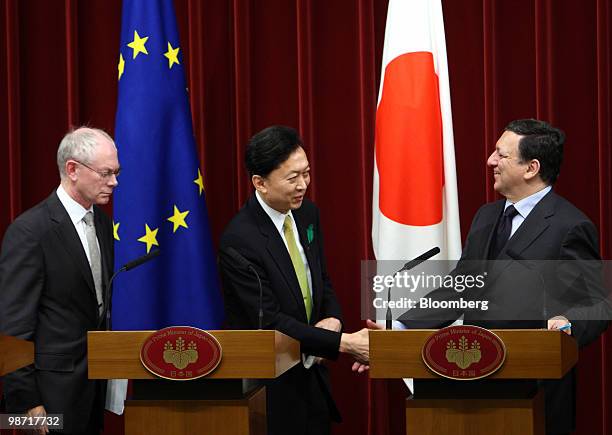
{"x":527,"y":263}
{"x":421,"y":258}
{"x":135,"y":263}
{"x":408,"y":266}
{"x":515,"y":256}
{"x":243,"y":262}
{"x":108,"y":292}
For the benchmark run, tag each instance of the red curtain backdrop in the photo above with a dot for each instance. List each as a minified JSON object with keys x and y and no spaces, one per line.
{"x":315,"y":65}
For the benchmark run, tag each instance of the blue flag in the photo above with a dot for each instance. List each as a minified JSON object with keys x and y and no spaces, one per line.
{"x":159,"y":203}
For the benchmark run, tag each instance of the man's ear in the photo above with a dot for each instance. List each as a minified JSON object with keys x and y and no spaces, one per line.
{"x":70,"y":167}
{"x":533,"y":169}
{"x":259,"y":183}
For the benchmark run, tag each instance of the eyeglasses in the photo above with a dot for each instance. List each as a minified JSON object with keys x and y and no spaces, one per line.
{"x":104,"y":174}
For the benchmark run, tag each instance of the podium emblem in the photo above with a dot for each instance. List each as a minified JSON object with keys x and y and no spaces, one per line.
{"x":464,"y":352}
{"x":178,"y":356}
{"x":465,"y":355}
{"x":180,"y":353}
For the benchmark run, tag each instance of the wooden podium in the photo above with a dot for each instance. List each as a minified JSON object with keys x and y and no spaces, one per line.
{"x":14,"y":354}
{"x":222,"y":402}
{"x":531,"y":355}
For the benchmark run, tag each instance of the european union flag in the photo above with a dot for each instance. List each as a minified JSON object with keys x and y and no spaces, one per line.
{"x":160,"y":202}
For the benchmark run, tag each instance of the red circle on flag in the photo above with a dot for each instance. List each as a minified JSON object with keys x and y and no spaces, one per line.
{"x":180,"y":353}
{"x":409,"y":146}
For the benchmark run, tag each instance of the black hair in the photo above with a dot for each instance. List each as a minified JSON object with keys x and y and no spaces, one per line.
{"x":269,"y":148}
{"x":540,"y":141}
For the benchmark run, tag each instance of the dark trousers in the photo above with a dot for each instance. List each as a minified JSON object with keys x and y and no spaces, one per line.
{"x":297,"y":404}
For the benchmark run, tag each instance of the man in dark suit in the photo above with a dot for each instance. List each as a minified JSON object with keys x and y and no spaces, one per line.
{"x":278,"y":231}
{"x":522,"y":233}
{"x":54,"y":262}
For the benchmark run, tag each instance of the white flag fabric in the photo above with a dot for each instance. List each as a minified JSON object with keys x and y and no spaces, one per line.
{"x":116,"y":392}
{"x":415,"y":204}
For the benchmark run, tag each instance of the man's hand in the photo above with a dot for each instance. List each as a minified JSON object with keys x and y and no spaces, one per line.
{"x":38,"y":411}
{"x":330,"y":323}
{"x":358,"y":343}
{"x":360,"y":367}
{"x":559,"y":322}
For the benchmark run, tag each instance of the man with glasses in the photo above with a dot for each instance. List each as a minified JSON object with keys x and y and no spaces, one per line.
{"x":54,"y":263}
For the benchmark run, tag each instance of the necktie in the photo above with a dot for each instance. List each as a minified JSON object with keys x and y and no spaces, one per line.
{"x":503,"y":231}
{"x":94,"y":256}
{"x":298,"y":264}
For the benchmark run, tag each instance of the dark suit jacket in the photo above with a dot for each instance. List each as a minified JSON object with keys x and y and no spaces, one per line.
{"x":47,"y":296}
{"x":523,"y":294}
{"x":293,"y":396}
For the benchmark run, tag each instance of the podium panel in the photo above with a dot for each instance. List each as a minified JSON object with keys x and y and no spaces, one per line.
{"x":14,"y":354}
{"x":220,"y":403}
{"x":246,"y":354}
{"x":475,"y":407}
{"x":178,"y":417}
{"x":476,"y":417}
{"x":531,"y":354}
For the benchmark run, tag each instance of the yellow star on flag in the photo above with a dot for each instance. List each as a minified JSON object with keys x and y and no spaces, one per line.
{"x":150,"y":237}
{"x":121,"y":66}
{"x":178,"y":219}
{"x":172,"y":55}
{"x":199,"y":181}
{"x":138,"y":44}
{"x":116,"y":230}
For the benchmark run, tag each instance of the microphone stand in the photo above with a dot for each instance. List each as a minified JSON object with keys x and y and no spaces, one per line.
{"x":108,"y":290}
{"x":237,"y":257}
{"x":406,"y":267}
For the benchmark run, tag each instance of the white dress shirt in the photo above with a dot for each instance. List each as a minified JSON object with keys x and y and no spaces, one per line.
{"x":278,"y":219}
{"x":524,"y":207}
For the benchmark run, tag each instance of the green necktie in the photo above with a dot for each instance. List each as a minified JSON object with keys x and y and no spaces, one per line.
{"x":298,"y":265}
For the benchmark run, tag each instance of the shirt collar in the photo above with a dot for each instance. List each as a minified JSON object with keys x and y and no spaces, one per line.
{"x":278,"y":218}
{"x":74,"y":209}
{"x":526,"y":205}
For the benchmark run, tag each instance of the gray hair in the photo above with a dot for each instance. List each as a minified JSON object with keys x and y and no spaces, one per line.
{"x":79,"y":144}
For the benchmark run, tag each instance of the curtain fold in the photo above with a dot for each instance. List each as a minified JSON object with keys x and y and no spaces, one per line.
{"x":11,"y":166}
{"x":316,"y":66}
{"x":72,"y":61}
{"x":604,"y":142}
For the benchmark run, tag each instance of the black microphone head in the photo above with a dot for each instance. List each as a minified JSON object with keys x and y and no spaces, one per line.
{"x":237,"y":257}
{"x":135,"y":263}
{"x":231,"y":252}
{"x":514,"y":255}
{"x":153,"y":254}
{"x":421,"y":258}
{"x":427,"y":255}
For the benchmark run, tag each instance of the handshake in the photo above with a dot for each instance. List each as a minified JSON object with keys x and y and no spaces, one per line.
{"x":356,"y":344}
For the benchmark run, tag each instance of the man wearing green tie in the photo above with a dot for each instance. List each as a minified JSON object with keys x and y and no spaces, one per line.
{"x":278,"y":232}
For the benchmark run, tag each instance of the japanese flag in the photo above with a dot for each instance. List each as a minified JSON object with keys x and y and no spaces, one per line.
{"x":415,"y":205}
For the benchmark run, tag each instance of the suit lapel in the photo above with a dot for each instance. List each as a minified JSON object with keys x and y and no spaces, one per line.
{"x":491,"y":234}
{"x":70,"y":239}
{"x":278,"y":251}
{"x":536,"y":223}
{"x":530,"y":230}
